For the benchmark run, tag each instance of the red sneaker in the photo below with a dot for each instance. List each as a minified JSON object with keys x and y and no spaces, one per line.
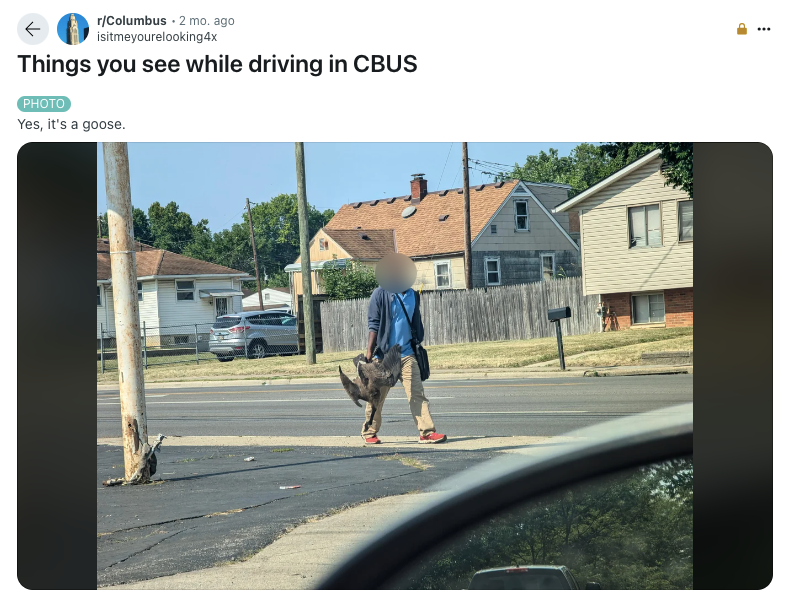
{"x":371,"y":440}
{"x":433,"y":438}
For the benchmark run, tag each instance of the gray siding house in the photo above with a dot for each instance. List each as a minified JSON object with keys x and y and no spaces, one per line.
{"x":516,"y":238}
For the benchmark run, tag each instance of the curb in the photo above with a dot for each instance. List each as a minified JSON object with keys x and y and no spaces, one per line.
{"x":464,"y":375}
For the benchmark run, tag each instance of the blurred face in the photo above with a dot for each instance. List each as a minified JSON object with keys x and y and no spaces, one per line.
{"x":396,"y":273}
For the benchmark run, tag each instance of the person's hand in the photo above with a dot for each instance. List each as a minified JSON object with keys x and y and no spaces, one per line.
{"x":368,"y":355}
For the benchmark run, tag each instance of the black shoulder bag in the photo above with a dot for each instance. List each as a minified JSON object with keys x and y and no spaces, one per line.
{"x":419,"y":351}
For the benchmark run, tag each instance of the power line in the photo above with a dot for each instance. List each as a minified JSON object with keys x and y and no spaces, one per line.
{"x":445,"y":165}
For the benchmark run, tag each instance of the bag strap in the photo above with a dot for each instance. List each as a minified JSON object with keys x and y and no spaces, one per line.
{"x":406,"y":314}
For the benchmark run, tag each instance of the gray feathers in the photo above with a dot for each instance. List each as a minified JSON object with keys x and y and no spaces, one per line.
{"x":373,"y":376}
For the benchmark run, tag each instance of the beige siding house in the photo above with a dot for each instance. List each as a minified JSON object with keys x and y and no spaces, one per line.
{"x":515,"y":236}
{"x":637,"y":243}
{"x":173,"y":290}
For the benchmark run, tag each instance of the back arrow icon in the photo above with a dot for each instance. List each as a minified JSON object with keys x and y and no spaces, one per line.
{"x":33,"y":28}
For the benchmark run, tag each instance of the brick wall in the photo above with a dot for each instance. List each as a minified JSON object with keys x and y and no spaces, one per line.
{"x":621,"y":304}
{"x":678,"y":308}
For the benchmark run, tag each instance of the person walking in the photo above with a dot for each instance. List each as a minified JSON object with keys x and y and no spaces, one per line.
{"x":388,"y":325}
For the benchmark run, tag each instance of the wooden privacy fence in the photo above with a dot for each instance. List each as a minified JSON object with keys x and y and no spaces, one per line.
{"x":485,"y":314}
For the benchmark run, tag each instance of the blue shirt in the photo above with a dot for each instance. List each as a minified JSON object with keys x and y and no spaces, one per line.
{"x":401,"y":333}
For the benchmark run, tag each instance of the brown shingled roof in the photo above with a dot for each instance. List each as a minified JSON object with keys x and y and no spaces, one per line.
{"x":153,"y":261}
{"x":423,"y":233}
{"x":364,"y":244}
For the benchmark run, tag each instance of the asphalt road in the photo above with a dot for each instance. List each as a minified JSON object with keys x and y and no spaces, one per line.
{"x":497,"y":407}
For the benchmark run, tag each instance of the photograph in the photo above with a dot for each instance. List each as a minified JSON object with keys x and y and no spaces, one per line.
{"x":541,"y":290}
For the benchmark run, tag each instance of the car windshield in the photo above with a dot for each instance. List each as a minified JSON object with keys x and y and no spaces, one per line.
{"x":631,"y":530}
{"x":226,"y":323}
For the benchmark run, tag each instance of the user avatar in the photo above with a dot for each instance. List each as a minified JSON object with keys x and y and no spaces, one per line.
{"x":73,"y":29}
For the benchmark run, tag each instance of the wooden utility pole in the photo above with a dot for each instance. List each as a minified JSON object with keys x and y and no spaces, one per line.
{"x":467,"y":221}
{"x":99,"y":227}
{"x":136,"y":450}
{"x":255,"y":261}
{"x":305,"y":257}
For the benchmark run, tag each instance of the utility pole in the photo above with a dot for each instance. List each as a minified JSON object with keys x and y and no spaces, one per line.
{"x":136,"y":449}
{"x":305,"y":257}
{"x":255,"y":261}
{"x":99,"y":227}
{"x":467,"y":222}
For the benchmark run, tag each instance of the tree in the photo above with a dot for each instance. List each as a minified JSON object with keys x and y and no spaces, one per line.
{"x":142,"y":230}
{"x":678,"y":164}
{"x":353,"y":282}
{"x":588,"y":164}
{"x":278,"y":231}
{"x":171,"y":229}
{"x":585,"y":165}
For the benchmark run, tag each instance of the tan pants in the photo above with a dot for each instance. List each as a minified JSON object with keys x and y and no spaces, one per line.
{"x":418,"y":403}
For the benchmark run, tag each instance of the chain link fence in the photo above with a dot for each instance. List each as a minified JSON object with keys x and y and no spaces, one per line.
{"x":251,"y":336}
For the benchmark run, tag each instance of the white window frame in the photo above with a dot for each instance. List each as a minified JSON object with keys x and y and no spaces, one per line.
{"x":140,"y":291}
{"x":100,"y":298}
{"x":647,"y":295}
{"x":498,"y":270}
{"x":436,"y":274}
{"x":678,"y":218}
{"x":542,"y":265}
{"x":176,"y":291}
{"x":646,"y":225}
{"x":528,"y":214}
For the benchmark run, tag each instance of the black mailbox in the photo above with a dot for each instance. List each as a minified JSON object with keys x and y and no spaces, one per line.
{"x":559,"y":313}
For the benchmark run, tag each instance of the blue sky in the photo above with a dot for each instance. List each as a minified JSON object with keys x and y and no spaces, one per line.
{"x":212,"y":180}
{"x":62,"y":26}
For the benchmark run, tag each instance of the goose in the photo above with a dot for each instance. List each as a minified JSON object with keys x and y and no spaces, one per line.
{"x":372,"y":377}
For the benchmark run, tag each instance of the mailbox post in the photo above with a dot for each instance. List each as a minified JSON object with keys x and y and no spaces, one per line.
{"x":556,"y":316}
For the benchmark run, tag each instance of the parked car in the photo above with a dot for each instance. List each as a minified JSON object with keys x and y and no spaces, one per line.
{"x":262,"y":332}
{"x":615,"y":505}
{"x":527,"y":578}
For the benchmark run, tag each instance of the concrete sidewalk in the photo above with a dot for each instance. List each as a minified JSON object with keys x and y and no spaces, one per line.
{"x":302,"y":556}
{"x":535,"y":371}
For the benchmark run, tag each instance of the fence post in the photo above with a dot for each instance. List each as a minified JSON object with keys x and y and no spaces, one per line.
{"x":144,"y":333}
{"x":196,"y":341}
{"x":102,"y":348}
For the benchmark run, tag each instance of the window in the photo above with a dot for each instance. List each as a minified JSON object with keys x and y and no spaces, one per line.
{"x":181,"y":339}
{"x":521,"y":215}
{"x":645,"y":226}
{"x":493,"y":229}
{"x":185,"y":291}
{"x":322,"y":244}
{"x":139,"y":291}
{"x":442,"y":272}
{"x":99,"y":295}
{"x":685,"y":220}
{"x":648,"y":308}
{"x":492,"y":271}
{"x":266,"y":296}
{"x":548,"y":266}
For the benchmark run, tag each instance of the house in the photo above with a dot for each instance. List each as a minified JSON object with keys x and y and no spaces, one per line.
{"x":365,"y":246}
{"x":636,"y":242}
{"x":515,"y":236}
{"x":273,"y":298}
{"x":173,"y":289}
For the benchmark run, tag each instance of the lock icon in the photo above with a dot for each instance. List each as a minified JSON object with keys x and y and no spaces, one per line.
{"x":742,"y":30}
